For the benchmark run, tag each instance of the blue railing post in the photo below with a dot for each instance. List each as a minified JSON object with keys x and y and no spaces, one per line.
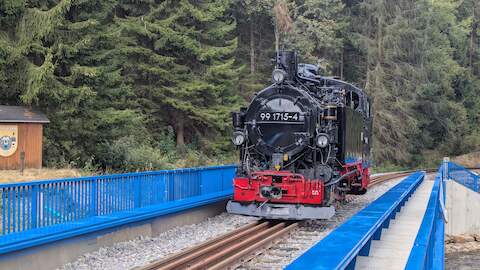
{"x":4,"y":211}
{"x":475,"y":183}
{"x":438,"y":236}
{"x":94,"y":197}
{"x":138,"y":193}
{"x":171,"y":186}
{"x":34,"y":207}
{"x":446,"y":160}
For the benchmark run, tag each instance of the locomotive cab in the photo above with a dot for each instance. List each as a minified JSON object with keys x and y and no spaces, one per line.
{"x":303,"y":143}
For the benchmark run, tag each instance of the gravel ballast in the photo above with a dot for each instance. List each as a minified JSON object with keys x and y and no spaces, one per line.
{"x":137,"y":252}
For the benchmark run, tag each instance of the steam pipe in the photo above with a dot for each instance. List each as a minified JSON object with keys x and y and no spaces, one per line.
{"x":341,"y":178}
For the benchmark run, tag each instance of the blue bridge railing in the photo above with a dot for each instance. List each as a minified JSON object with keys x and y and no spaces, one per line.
{"x":462,"y":176}
{"x":428,"y":249}
{"x":50,"y":206}
{"x":339,"y":249}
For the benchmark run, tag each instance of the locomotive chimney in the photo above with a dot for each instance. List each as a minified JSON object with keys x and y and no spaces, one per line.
{"x":287,"y":61}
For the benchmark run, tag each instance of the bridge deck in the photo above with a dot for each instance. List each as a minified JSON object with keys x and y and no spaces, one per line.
{"x":393,"y":249}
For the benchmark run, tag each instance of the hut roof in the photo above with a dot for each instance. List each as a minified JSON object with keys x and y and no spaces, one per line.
{"x":20,"y":114}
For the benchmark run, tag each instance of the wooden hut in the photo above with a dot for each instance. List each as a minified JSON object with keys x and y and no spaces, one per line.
{"x":21,"y":135}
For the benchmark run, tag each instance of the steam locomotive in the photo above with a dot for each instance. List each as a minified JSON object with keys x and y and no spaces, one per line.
{"x":304,"y":144}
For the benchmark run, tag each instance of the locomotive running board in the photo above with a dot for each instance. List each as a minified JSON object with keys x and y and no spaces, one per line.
{"x":281,"y":211}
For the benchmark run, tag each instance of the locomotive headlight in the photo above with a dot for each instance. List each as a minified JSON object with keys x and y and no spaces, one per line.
{"x":238,"y":138}
{"x":322,"y":140}
{"x":278,"y":76}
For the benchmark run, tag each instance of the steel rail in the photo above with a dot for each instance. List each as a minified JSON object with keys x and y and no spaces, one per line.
{"x":387,"y":177}
{"x":226,"y":249}
{"x":174,"y":261}
{"x":239,"y":257}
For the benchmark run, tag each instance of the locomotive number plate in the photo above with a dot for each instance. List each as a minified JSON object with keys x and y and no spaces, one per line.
{"x":279,"y":116}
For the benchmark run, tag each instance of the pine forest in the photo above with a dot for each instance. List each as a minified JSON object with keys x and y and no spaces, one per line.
{"x":150,"y":84}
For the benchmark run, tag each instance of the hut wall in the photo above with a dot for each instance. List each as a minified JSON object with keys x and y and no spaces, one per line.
{"x":30,"y":137}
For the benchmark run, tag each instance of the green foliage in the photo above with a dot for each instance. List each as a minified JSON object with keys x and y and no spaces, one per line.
{"x":126,"y":154}
{"x":414,"y":55}
{"x":388,"y":42}
{"x":180,"y":57}
{"x":317,"y":32}
{"x":256,"y":48}
{"x":137,"y":85}
{"x":388,"y":168}
{"x":117,"y":74}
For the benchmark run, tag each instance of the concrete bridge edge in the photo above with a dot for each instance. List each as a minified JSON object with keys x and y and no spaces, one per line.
{"x":53,"y":255}
{"x":463,"y":213}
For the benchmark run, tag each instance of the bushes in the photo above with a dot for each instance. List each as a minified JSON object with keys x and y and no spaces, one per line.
{"x":141,"y":154}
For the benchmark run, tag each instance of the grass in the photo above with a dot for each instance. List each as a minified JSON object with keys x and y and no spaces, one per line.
{"x":468,"y":160}
{"x":11,"y":176}
{"x":387,"y":168}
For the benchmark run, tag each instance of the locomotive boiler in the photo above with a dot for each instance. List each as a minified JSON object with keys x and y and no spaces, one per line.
{"x":304,"y":143}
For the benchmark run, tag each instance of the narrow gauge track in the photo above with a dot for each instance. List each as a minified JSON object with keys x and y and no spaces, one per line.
{"x":375,"y":180}
{"x":232,"y":249}
{"x":389,"y":176}
{"x":228,"y":249}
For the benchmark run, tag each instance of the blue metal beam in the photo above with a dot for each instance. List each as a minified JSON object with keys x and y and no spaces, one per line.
{"x":35,"y":237}
{"x":339,"y":249}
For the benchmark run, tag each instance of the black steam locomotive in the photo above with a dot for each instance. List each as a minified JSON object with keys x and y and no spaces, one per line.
{"x":304,"y":143}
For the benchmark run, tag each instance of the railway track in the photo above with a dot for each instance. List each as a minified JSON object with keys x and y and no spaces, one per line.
{"x":389,"y":176}
{"x":232,"y":249}
{"x":375,"y":180}
{"x":227,"y":250}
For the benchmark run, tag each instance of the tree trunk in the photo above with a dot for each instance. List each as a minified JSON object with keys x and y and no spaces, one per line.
{"x":342,"y":63}
{"x":380,"y":40}
{"x":277,"y":41}
{"x":180,"y":131}
{"x":252,"y":47}
{"x":472,"y":50}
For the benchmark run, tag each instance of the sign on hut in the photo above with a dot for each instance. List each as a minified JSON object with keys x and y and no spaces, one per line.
{"x":21,"y":135}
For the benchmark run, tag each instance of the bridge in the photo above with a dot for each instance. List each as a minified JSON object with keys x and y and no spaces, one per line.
{"x":49,"y":223}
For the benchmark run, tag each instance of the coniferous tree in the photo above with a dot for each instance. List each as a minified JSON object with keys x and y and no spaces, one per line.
{"x":62,"y":53}
{"x":256,"y":48}
{"x":384,"y":36}
{"x":413,"y":75}
{"x":438,"y":105}
{"x":317,"y":33}
{"x":181,"y":62}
